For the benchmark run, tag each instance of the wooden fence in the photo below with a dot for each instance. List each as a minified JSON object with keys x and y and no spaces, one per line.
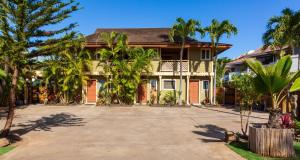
{"x":271,"y":142}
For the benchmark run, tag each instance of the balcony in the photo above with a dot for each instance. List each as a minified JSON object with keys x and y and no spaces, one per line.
{"x":174,"y":65}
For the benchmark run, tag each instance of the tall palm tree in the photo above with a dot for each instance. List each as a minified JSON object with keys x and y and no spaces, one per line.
{"x":283,"y":30}
{"x":182,"y":30}
{"x":68,"y":70}
{"x":215,"y":31}
{"x":275,"y":80}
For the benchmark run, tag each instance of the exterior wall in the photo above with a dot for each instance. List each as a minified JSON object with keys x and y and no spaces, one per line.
{"x":195,"y":65}
{"x":177,"y":83}
{"x":155,"y":66}
{"x":198,"y":65}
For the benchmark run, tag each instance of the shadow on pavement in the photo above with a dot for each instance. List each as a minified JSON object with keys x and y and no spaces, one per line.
{"x":212,"y":133}
{"x":47,"y":123}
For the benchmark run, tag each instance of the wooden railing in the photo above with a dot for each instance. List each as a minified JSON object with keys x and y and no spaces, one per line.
{"x":174,"y":65}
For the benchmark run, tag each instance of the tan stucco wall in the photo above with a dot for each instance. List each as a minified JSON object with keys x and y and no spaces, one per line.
{"x":196,"y":64}
{"x":177,"y":82}
{"x":202,"y":91}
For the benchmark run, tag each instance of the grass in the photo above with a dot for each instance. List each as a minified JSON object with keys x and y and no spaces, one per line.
{"x":6,"y":149}
{"x":242,"y":149}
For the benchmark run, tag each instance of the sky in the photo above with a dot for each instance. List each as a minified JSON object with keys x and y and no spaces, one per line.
{"x":249,"y":16}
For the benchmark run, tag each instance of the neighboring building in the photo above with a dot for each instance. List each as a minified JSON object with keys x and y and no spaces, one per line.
{"x":266,"y":56}
{"x":197,"y":65}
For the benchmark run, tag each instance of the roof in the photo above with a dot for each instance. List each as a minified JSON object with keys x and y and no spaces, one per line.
{"x":145,"y":36}
{"x":262,"y":51}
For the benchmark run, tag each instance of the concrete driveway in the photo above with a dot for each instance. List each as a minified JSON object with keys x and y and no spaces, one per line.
{"x":124,"y":133}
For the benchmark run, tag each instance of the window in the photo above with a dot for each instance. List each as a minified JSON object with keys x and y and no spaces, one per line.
{"x":100,"y":85}
{"x":205,"y":85}
{"x":153,"y":84}
{"x":205,"y":54}
{"x":169,"y":84}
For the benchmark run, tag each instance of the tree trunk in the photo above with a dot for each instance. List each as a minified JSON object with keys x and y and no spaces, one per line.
{"x":12,"y":103}
{"x":215,"y":74}
{"x":274,"y":119}
{"x":180,"y":82}
{"x":30,"y":91}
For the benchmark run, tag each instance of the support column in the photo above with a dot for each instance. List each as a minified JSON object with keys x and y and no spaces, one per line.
{"x":188,"y":90}
{"x":159,"y":91}
{"x":211,"y":90}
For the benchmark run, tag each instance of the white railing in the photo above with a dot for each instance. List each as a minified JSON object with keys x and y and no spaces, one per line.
{"x":174,"y":65}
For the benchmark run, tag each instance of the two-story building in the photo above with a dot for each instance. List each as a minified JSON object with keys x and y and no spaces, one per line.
{"x":197,"y":65}
{"x":266,"y":56}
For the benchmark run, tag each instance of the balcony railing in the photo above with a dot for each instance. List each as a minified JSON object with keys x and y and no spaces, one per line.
{"x":174,"y":65}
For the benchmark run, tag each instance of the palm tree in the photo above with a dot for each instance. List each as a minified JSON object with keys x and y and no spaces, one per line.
{"x":68,"y":70}
{"x":182,"y":30}
{"x":220,"y":65}
{"x":275,"y":80}
{"x":123,"y":66}
{"x":215,"y":31}
{"x":282,"y":30}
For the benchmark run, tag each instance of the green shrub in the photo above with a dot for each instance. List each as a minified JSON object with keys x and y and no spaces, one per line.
{"x":169,"y":98}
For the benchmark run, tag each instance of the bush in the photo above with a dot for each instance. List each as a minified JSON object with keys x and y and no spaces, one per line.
{"x":169,"y":98}
{"x":103,"y":98}
{"x":153,"y":97}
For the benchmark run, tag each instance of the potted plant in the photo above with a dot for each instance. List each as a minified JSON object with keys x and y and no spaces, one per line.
{"x":275,"y":81}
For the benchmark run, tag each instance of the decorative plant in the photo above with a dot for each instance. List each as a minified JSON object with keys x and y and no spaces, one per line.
{"x":275,"y":80}
{"x":244,"y":85}
{"x":169,"y":98}
{"x":153,"y":97}
{"x":287,"y":121}
{"x":123,"y":66}
{"x":66,"y":71}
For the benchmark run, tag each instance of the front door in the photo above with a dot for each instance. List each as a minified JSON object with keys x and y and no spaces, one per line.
{"x":91,"y":91}
{"x":142,"y":92}
{"x":194,"y":92}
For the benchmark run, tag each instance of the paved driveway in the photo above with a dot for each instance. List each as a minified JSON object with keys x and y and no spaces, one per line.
{"x":128,"y":133}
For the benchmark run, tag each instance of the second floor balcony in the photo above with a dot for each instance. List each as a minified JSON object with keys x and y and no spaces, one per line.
{"x":173,"y":65}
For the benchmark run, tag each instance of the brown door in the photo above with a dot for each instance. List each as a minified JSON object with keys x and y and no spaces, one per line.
{"x":194,"y":91}
{"x":142,"y":92}
{"x":91,"y":91}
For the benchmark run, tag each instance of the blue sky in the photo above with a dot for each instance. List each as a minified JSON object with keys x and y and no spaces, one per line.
{"x":250,"y":16}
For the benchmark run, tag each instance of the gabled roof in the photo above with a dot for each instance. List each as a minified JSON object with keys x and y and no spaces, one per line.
{"x":257,"y":53}
{"x":145,"y":36}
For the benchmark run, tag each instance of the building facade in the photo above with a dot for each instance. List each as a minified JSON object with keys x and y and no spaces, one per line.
{"x":197,"y":65}
{"x":266,"y":56}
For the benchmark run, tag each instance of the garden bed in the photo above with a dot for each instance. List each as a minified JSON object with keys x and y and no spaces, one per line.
{"x":241,"y":148}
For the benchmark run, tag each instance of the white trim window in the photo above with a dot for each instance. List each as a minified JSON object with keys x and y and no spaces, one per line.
{"x":153,"y":84}
{"x":205,"y":85}
{"x":169,"y":84}
{"x":205,"y":54}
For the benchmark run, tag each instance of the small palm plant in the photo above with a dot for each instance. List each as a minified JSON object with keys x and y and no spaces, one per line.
{"x":276,"y":81}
